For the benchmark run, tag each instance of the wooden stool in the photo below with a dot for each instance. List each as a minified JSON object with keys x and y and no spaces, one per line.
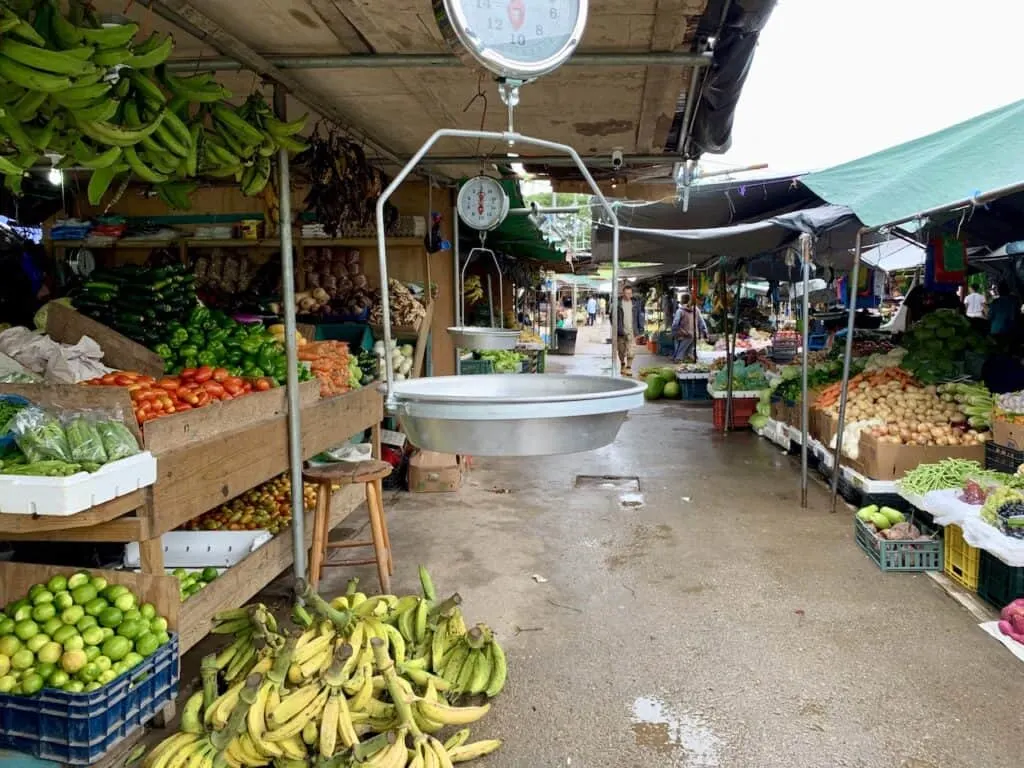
{"x":370,"y":473}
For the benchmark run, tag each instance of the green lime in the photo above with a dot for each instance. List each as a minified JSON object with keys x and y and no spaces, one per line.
{"x":10,"y":609}
{"x":5,"y":665}
{"x":121,"y":667}
{"x":209,"y":574}
{"x":132,"y":614}
{"x":132,"y":660}
{"x":89,"y":672}
{"x":34,"y":590}
{"x":63,"y":600}
{"x":92,"y":652}
{"x":110,"y":617}
{"x":36,"y":642}
{"x":23,"y":612}
{"x":50,"y":653}
{"x":72,"y":661}
{"x":98,"y":583}
{"x":163,"y":638}
{"x":85,"y":622}
{"x":107,"y":632}
{"x":130,"y":629}
{"x":93,"y":686}
{"x":62,"y":633}
{"x":93,"y":636}
{"x":74,"y":643}
{"x":114,"y":591}
{"x":96,"y":606}
{"x":9,"y":645}
{"x":106,"y":677}
{"x":57,"y":584}
{"x":118,"y":647}
{"x":45,"y":670}
{"x":26,"y":629}
{"x":7,"y":683}
{"x":179,"y":573}
{"x":44,"y":612}
{"x":52,"y":625}
{"x":6,"y":625}
{"x":148,"y":610}
{"x":58,"y":679}
{"x":146,"y":644}
{"x":158,"y":624}
{"x":74,"y":686}
{"x":126,"y":602}
{"x":72,"y":615}
{"x":23,"y":659}
{"x":41,"y":598}
{"x":79,"y":579}
{"x":31,"y":684}
{"x":83,"y":594}
{"x":104,"y":663}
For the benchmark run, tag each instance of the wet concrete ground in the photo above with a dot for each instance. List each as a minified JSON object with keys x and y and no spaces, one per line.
{"x":717,"y":625}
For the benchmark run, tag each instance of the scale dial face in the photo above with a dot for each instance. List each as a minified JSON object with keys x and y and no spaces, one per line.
{"x":514,"y":39}
{"x":482,"y":203}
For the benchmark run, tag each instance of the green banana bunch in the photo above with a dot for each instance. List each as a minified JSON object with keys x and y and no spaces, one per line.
{"x":352,"y":686}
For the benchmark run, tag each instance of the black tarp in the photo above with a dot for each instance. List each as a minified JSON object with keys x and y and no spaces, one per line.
{"x":734,"y":49}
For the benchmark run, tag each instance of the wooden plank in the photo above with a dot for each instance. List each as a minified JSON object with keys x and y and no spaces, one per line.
{"x":241,"y":582}
{"x":113,"y":401}
{"x":197,"y":477}
{"x":117,"y":531}
{"x":68,"y":326}
{"x":159,"y":589}
{"x":201,"y":424}
{"x":340,"y":27}
{"x":421,"y":341}
{"x":101,"y":513}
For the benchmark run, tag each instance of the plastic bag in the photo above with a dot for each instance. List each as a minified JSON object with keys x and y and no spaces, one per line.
{"x":118,"y":440}
{"x":85,"y":441}
{"x":40,"y":436}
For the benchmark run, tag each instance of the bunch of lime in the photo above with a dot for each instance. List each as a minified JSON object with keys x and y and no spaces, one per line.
{"x":192,"y":582}
{"x":75,"y":633}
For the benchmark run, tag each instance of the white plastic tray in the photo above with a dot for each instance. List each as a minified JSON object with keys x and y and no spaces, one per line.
{"x":200,"y":549}
{"x":63,"y":496}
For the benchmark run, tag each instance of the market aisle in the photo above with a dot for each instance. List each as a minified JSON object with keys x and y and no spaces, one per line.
{"x":716,"y":626}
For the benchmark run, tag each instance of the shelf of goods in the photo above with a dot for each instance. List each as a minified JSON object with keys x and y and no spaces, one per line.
{"x":204,"y":458}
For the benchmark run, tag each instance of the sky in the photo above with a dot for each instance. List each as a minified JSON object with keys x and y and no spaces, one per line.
{"x":833,"y":80}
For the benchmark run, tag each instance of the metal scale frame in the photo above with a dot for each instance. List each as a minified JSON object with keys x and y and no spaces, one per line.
{"x":500,"y":414}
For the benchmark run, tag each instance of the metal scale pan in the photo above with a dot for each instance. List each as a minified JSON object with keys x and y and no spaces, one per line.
{"x":476,"y":337}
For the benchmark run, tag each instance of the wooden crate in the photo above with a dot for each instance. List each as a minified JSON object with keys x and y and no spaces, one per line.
{"x":67,"y":326}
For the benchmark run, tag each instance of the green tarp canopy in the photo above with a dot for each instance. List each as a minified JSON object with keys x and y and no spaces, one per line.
{"x":517,"y":236}
{"x":942,"y":170}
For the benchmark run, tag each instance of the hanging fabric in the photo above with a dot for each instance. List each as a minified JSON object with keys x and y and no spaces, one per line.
{"x":945,"y":266}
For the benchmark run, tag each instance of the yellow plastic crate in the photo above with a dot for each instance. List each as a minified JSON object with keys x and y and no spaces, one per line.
{"x":961,"y":559}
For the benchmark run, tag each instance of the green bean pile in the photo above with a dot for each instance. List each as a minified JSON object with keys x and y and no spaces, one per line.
{"x":948,"y":473}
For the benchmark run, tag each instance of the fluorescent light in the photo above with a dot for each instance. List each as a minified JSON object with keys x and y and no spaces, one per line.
{"x":55,"y":177}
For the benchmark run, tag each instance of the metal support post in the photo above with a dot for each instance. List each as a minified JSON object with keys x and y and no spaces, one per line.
{"x":806,"y":249}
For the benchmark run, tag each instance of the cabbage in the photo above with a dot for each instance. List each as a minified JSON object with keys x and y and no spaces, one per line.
{"x":44,"y":311}
{"x":406,"y":350}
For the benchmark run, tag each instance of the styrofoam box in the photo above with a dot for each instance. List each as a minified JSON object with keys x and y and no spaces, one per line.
{"x":62,"y":496}
{"x":199,"y":549}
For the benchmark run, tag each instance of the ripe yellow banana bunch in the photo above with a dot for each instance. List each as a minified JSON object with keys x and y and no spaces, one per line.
{"x":472,"y":290}
{"x":362,"y":682}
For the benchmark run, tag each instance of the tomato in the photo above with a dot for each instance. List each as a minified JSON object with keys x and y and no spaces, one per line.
{"x":168,"y":384}
{"x":188,"y":396}
{"x":124,"y":379}
{"x":108,"y":378}
{"x":187,"y":373}
{"x":263,"y":384}
{"x":204,"y":373}
{"x":233,"y":386}
{"x":219,"y":374}
{"x":146,"y":380}
{"x":213,"y":388}
{"x":182,"y":407}
{"x":202,"y":398}
{"x":140,"y":415}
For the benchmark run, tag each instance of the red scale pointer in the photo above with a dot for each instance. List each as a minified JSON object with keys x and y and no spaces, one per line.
{"x":480,"y":202}
{"x":516,"y":14}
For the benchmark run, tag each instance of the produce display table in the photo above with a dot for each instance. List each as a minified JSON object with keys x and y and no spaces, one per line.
{"x":204,"y":458}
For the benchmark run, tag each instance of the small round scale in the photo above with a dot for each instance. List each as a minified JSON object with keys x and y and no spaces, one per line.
{"x":501,"y":414}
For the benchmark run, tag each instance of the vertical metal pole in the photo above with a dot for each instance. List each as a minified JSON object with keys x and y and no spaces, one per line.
{"x":291,"y":349}
{"x":805,"y":255}
{"x":728,"y":352}
{"x":490,"y":303}
{"x":847,"y":355}
{"x":614,"y":300}
{"x":457,"y":289}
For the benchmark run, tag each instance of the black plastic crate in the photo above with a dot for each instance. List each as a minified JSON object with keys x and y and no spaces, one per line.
{"x":999,"y":584}
{"x":1002,"y":458}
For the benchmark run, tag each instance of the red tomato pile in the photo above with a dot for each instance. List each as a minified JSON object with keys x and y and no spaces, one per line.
{"x":192,"y":388}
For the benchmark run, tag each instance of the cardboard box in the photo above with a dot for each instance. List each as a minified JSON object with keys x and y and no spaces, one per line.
{"x":432,"y":472}
{"x":1008,"y":434}
{"x":889,"y":461}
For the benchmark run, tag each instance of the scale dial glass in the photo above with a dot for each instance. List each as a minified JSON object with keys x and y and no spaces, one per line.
{"x":482,"y":203}
{"x":514,"y":39}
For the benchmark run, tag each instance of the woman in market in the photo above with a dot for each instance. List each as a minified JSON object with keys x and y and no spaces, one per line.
{"x":688,"y":327}
{"x":1002,"y":314}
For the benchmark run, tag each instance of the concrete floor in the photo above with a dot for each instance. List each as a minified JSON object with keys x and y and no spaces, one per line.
{"x":718,"y":625}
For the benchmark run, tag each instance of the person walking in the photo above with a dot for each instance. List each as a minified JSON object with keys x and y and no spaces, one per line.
{"x":630,"y":324}
{"x":1003,"y":313}
{"x":591,"y":310}
{"x":687,"y":327}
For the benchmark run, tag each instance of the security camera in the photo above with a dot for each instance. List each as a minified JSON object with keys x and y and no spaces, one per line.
{"x":617,"y":160}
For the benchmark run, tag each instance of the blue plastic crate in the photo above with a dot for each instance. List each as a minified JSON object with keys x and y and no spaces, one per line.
{"x":79,"y":728}
{"x":817,"y":341}
{"x":694,"y":389}
{"x":475,"y":367}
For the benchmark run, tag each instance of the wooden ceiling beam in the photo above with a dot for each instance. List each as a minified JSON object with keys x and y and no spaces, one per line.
{"x":348,"y":36}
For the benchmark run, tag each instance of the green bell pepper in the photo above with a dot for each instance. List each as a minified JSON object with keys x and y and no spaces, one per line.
{"x":217,"y":348}
{"x":189,"y":362}
{"x":268,"y":357}
{"x":179,"y":337}
{"x":197,"y":337}
{"x":198,"y":316}
{"x":206,"y":357}
{"x":251,"y":345}
{"x":235,"y":370}
{"x":189,"y":351}
{"x":164,"y":351}
{"x":218,"y":334}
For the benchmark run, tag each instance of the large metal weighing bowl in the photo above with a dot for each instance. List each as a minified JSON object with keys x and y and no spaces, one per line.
{"x":470,"y":337}
{"x":509,"y":415}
